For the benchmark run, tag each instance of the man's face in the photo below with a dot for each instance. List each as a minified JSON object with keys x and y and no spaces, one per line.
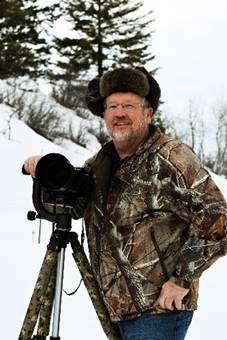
{"x":126,"y":118}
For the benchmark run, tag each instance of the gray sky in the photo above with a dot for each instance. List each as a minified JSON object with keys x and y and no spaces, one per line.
{"x":189,"y":44}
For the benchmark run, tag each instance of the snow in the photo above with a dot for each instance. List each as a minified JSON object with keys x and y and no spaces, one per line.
{"x":21,"y":256}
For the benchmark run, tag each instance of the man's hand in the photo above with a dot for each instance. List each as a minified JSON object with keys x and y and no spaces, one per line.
{"x":171,"y":296}
{"x":30,"y":164}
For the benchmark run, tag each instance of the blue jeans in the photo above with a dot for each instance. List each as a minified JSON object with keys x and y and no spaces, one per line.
{"x":165,"y":326}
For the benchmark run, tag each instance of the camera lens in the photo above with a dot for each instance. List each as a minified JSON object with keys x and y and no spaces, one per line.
{"x":53,"y":171}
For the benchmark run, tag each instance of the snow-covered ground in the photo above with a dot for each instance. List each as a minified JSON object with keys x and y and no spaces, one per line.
{"x":21,"y":255}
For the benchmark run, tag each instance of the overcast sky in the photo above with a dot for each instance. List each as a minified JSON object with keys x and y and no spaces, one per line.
{"x":190,"y":48}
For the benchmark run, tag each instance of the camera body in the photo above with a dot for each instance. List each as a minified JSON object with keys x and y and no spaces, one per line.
{"x":62,"y":183}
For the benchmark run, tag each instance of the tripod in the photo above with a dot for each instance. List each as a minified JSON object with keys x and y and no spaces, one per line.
{"x":47,"y":294}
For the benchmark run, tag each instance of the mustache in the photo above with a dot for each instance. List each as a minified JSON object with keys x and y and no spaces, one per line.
{"x":122,"y":121}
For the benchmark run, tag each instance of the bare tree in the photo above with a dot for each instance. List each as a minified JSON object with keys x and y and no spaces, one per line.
{"x":193,"y":122}
{"x":220,"y":164}
{"x":14,"y":98}
{"x":7,"y":131}
{"x":191,"y":129}
{"x":196,"y":130}
{"x":201,"y":151}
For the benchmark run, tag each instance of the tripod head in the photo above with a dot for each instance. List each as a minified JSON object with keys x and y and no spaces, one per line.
{"x":49,"y":205}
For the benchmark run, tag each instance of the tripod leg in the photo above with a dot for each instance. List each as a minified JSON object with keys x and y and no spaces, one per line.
{"x":58,"y":295}
{"x":92,"y":287}
{"x":46,"y":308}
{"x":30,"y":320}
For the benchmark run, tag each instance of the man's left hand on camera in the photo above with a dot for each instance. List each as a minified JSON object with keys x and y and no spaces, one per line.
{"x":30,"y":165}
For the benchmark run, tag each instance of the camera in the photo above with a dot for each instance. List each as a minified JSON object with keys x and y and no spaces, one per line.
{"x":57,"y":176}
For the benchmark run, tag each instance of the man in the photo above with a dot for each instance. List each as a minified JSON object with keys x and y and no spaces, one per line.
{"x":155,"y":220}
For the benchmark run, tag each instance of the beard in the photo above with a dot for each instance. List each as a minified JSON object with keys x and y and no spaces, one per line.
{"x":120,"y":136}
{"x":128,"y":135}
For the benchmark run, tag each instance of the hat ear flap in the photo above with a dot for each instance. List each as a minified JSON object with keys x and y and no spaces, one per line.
{"x":155,"y":91}
{"x":94,"y":101}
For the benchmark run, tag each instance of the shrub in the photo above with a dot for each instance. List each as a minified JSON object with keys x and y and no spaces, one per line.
{"x":45,"y":121}
{"x":78,"y":138}
{"x":69,"y":95}
{"x":100,"y":132}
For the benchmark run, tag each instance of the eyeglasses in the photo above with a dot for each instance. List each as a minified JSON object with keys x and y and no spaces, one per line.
{"x":128,"y":106}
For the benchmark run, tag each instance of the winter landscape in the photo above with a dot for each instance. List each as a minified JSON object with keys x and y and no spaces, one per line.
{"x":186,"y":39}
{"x":21,"y":255}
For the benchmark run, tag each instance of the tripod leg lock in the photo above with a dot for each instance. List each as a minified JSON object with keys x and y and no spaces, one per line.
{"x":38,"y":337}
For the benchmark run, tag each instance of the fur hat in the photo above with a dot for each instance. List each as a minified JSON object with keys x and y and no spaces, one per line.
{"x":136,"y":80}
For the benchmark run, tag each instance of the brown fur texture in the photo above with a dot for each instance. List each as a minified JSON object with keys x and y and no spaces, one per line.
{"x":136,"y":80}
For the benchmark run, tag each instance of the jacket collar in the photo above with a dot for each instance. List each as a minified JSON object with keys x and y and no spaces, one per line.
{"x":155,"y":133}
{"x":102,"y":166}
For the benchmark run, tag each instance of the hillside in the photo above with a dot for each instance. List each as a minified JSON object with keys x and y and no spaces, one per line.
{"x":21,"y":255}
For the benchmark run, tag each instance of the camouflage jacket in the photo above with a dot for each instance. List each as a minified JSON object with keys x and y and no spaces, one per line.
{"x":159,"y":216}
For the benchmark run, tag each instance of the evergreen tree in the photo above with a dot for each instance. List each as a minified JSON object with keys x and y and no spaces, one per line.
{"x":106,"y":33}
{"x":23,"y":50}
